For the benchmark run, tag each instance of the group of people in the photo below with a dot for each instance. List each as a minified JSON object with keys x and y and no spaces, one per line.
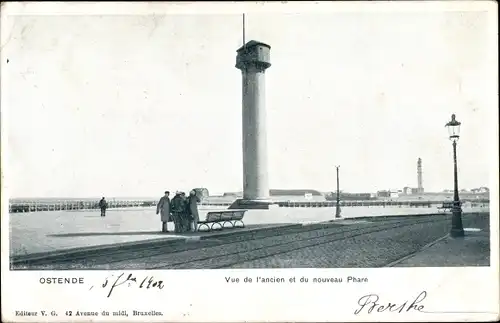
{"x":182,"y":210}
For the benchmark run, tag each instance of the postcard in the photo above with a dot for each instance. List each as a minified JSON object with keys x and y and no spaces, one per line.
{"x":249,"y":161}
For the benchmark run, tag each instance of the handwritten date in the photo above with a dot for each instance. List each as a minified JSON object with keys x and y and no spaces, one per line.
{"x":148,"y":282}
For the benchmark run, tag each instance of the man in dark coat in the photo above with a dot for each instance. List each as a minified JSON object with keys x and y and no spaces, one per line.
{"x":177,"y":207}
{"x":103,"y":205}
{"x":186,"y":215}
{"x":192,"y":206}
{"x":164,"y":207}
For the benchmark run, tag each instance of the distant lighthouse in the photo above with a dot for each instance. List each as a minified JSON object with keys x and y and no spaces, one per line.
{"x":420,"y":188}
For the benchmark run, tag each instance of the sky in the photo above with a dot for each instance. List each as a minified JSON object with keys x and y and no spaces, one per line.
{"x":131,"y":105}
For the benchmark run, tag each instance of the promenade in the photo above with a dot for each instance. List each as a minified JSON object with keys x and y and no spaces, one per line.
{"x":471,"y":250}
{"x":56,"y":230}
{"x":278,"y":238}
{"x":401,"y":241}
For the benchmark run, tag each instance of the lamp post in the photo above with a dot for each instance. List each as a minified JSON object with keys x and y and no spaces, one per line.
{"x":337,"y":210}
{"x":457,"y":229}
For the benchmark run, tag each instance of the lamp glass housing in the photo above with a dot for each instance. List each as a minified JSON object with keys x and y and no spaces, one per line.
{"x":453,"y":128}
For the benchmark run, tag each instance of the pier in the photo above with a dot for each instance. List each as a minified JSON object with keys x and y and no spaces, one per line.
{"x":68,"y":205}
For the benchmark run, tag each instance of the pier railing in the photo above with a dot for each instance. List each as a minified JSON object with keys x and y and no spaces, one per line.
{"x":68,"y":205}
{"x":65,"y":205}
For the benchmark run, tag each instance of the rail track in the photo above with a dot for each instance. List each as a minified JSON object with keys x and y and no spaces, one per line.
{"x":225,"y":251}
{"x":231,"y":258}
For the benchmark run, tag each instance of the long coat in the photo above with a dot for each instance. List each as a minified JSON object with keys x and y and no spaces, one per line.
{"x":193,"y":207}
{"x":163,"y":208}
{"x":103,"y":204}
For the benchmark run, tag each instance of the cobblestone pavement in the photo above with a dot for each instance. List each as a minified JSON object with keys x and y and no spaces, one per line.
{"x":178,"y":254}
{"x":93,"y":256}
{"x":372,"y":250}
{"x":42,"y":232}
{"x":367,"y":243}
{"x":471,"y":250}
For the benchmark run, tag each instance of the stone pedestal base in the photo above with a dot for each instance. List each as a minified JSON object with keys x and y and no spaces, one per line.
{"x":251,"y":204}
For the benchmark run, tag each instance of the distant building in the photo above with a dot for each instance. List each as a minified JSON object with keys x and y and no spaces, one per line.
{"x":389,"y":193}
{"x":394,"y":193}
{"x":349,"y":196}
{"x":294,"y":192}
{"x":233,"y":194}
{"x":482,"y":189}
{"x":202,"y":192}
{"x":383,"y":193}
{"x":410,"y":190}
{"x":287,"y":195}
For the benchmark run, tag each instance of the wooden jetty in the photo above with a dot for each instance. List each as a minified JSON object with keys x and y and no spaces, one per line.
{"x":65,"y":205}
{"x":68,"y":205}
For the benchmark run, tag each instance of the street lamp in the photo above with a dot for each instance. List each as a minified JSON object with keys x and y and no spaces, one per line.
{"x":457,"y":229}
{"x":337,"y":211}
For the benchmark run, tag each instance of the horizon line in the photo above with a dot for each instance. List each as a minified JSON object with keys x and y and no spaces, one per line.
{"x":447,"y":192}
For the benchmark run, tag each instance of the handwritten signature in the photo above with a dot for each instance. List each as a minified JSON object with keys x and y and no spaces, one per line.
{"x":371,"y":303}
{"x":149,"y":282}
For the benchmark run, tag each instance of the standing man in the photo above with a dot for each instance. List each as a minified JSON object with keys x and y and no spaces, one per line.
{"x":186,"y":214}
{"x":177,"y":208}
{"x":103,"y":205}
{"x":164,"y":207}
{"x":193,"y":210}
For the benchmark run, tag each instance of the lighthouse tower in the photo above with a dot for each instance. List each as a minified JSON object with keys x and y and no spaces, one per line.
{"x":420,"y":188}
{"x":253,"y":58}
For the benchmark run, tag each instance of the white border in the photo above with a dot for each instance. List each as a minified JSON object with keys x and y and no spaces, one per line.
{"x":458,"y":293}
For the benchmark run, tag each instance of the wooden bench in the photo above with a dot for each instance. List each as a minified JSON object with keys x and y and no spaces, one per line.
{"x":221,"y":218}
{"x":446,"y":206}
